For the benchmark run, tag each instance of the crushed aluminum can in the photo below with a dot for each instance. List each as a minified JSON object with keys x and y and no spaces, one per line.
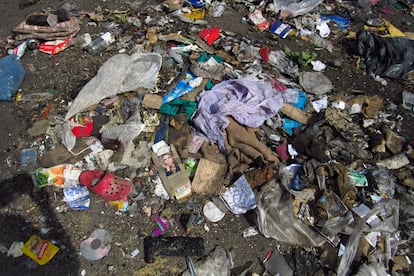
{"x":32,"y":43}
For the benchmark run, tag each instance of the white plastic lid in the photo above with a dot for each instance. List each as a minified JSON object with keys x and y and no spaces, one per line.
{"x":212,"y":212}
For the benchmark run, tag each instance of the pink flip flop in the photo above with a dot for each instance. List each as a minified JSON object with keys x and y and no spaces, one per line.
{"x":106,"y":185}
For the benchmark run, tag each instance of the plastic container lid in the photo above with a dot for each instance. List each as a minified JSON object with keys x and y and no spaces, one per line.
{"x":212,"y":212}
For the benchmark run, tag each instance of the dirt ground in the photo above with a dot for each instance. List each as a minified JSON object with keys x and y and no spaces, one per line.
{"x":26,"y":210}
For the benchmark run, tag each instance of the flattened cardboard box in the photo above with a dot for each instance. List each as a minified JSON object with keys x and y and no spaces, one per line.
{"x":177,"y":184}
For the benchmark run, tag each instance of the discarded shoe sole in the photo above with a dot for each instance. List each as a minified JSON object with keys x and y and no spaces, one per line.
{"x":105,"y":184}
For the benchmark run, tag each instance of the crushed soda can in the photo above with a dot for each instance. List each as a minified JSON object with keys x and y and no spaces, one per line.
{"x":32,"y":43}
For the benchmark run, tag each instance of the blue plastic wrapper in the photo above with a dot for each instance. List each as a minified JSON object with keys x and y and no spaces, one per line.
{"x":29,"y":157}
{"x":239,"y":198}
{"x":342,"y":22}
{"x":281,"y":29}
{"x":12,"y":75}
{"x":196,"y":3}
{"x":182,"y":87}
{"x":162,"y":130}
{"x":77,"y":198}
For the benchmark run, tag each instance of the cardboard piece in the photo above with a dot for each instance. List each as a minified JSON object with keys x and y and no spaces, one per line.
{"x":208,"y":177}
{"x":171,"y":170}
{"x":400,"y":262}
{"x":295,"y":113}
{"x":152,"y":101}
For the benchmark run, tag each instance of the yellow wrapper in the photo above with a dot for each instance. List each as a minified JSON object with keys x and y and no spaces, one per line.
{"x":39,"y":250}
{"x":197,"y":13}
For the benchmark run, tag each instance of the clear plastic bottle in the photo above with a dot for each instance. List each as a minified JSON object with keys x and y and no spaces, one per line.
{"x":104,"y":41}
{"x":101,"y":43}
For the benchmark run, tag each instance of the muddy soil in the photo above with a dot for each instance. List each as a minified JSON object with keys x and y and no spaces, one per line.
{"x":26,"y":210}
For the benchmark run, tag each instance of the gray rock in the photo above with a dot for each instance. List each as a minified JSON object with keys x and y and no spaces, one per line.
{"x":315,"y":83}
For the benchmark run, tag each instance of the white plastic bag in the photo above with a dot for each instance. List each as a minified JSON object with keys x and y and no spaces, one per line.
{"x":219,"y":263}
{"x":289,"y":8}
{"x":121,"y":73}
{"x":275,"y":218}
{"x":388,"y":224}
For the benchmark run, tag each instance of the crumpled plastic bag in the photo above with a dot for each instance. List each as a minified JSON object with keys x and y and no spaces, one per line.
{"x":121,"y":73}
{"x":275,"y":218}
{"x":239,"y":198}
{"x":126,"y":132}
{"x":371,"y":269}
{"x":388,"y":224}
{"x":219,"y":263}
{"x":391,"y":57}
{"x":289,"y":8}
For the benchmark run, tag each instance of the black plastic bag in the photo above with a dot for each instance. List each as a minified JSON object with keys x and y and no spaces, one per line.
{"x":391,"y":57}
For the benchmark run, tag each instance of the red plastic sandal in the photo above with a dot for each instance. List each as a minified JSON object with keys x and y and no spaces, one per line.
{"x":106,"y":185}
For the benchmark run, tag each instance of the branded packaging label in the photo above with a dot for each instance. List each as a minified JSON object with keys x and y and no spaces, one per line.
{"x":171,"y":170}
{"x":281,"y":29}
{"x":39,"y":250}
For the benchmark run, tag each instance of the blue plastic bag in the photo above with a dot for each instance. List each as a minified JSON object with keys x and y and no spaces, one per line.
{"x":12,"y":75}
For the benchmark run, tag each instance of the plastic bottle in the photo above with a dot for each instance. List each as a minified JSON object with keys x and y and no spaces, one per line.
{"x":104,"y":41}
{"x":12,"y":74}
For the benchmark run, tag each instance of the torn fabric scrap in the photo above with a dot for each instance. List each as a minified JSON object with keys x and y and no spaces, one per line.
{"x":249,"y":102}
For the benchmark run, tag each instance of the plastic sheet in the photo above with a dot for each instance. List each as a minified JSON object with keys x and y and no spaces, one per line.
{"x":388,"y":224}
{"x":126,"y":132}
{"x":283,"y":63}
{"x":407,"y":214}
{"x":391,"y":57}
{"x":289,"y":8}
{"x":275,"y":218}
{"x":333,"y":226}
{"x":239,"y":198}
{"x":219,"y":263}
{"x":371,"y":269}
{"x":121,"y":73}
{"x":385,"y":181}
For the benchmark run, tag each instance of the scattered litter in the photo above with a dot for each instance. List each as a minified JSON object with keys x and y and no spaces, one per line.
{"x":189,"y":123}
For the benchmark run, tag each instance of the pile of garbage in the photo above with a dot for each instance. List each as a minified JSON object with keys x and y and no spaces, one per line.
{"x":206,"y":113}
